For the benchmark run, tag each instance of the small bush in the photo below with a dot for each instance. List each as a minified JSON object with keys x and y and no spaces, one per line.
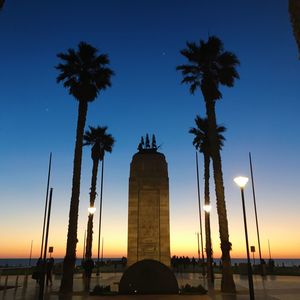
{"x":102,"y":290}
{"x":197,"y":290}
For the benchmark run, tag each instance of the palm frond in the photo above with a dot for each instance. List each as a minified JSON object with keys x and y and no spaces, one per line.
{"x":209,"y":65}
{"x":201,"y":136}
{"x":100,"y":140}
{"x":84,"y":72}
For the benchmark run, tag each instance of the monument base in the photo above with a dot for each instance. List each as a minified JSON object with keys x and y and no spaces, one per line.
{"x":148,"y":277}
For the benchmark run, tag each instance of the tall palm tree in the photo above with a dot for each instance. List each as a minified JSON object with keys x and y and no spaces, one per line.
{"x":209,"y":67}
{"x":84,"y":73}
{"x":101,"y":142}
{"x":201,"y":143}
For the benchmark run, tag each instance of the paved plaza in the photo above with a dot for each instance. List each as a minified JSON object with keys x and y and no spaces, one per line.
{"x":272,"y":287}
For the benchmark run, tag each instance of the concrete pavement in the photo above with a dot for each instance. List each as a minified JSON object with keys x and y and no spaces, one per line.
{"x":271,"y":288}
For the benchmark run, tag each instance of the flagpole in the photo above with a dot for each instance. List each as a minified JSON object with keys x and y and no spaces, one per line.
{"x":200,"y":219}
{"x":100,"y":215}
{"x":83,"y":252}
{"x":29,"y":263}
{"x":102,"y":249}
{"x":46,"y":204}
{"x":255,"y":210}
{"x":42,"y":278}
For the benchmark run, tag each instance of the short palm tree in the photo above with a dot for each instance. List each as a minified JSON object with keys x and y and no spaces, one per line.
{"x":101,"y":142}
{"x":201,"y":143}
{"x":84,"y":73}
{"x":209,"y":67}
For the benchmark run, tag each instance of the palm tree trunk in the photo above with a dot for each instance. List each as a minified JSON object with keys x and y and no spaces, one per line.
{"x":70,"y":258}
{"x":207,"y":217}
{"x":89,"y":238}
{"x":227,"y":283}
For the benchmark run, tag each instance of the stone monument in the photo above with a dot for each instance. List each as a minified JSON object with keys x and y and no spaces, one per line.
{"x":148,"y":208}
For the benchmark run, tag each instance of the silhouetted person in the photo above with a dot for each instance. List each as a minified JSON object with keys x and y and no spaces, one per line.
{"x":49,"y":268}
{"x":124,"y":261}
{"x":194,"y":263}
{"x":38,"y":270}
{"x":271,"y":264}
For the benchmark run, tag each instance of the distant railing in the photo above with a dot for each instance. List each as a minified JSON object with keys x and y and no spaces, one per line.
{"x":5,"y":272}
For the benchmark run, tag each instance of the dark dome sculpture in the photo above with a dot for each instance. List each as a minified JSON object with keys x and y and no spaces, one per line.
{"x":148,"y":277}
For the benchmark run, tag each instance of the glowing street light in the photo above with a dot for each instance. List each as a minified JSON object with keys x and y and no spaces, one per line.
{"x":207,"y":208}
{"x":241,"y":182}
{"x":92,"y":210}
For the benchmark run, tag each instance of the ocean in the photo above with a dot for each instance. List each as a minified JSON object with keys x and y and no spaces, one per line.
{"x":24,"y":262}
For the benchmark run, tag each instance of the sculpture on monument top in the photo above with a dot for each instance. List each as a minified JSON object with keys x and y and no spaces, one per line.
{"x":144,"y":145}
{"x":147,"y":141}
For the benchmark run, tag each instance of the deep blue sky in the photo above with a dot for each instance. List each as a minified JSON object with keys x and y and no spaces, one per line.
{"x":143,"y":40}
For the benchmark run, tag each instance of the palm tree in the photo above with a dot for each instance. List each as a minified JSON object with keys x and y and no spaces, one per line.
{"x":201,"y":143}
{"x":84,"y":73}
{"x":209,"y":67}
{"x":294,"y":10}
{"x":101,"y":142}
{"x":1,"y":4}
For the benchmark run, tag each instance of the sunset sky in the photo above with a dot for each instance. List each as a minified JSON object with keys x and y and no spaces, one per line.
{"x":143,"y":40}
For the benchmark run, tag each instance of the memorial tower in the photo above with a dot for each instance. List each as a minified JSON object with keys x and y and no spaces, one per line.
{"x":148,"y":205}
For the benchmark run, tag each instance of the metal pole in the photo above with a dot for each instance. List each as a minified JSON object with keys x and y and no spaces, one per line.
{"x":102,"y":249}
{"x":198,"y":244}
{"x":83,"y":252}
{"x":29,"y":263}
{"x":269,"y":250}
{"x":250,"y":277}
{"x":42,"y":279}
{"x":100,"y":214}
{"x":256,"y":219}
{"x":46,"y":203}
{"x":200,"y":220}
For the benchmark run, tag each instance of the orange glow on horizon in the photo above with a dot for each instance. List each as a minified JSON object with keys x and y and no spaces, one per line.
{"x":183,"y":245}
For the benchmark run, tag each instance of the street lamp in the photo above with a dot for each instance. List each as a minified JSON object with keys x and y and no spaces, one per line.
{"x":209,"y":252}
{"x":92,"y":210}
{"x":241,"y":182}
{"x":207,"y":208}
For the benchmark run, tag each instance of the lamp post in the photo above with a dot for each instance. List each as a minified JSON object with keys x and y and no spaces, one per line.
{"x":209,"y":252}
{"x":241,"y":182}
{"x":89,"y":234}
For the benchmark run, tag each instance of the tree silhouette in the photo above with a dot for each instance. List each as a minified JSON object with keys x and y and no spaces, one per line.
{"x":209,"y":67}
{"x":84,"y":74}
{"x":201,"y":143}
{"x":101,"y":142}
{"x":294,"y":10}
